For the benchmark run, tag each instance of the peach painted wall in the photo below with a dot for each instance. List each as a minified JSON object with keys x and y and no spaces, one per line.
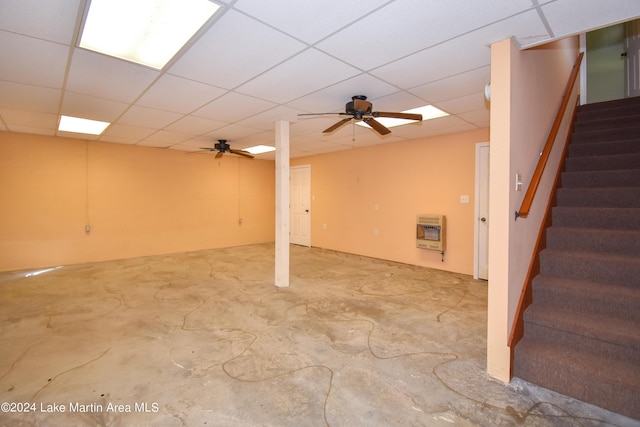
{"x":137,"y":200}
{"x":401,"y":179}
{"x":526,"y":91}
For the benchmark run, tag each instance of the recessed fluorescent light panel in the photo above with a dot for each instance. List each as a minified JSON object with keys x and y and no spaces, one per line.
{"x":78,"y":125}
{"x":428,"y":112}
{"x":148,"y":32}
{"x":259,"y":149}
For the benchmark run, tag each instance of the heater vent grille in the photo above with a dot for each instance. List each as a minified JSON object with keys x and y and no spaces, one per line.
{"x":430,"y":232}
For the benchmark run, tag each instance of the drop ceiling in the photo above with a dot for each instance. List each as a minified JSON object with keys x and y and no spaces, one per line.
{"x":256,"y":62}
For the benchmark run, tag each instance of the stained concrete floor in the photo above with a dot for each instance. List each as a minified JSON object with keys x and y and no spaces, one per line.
{"x":204,"y":338}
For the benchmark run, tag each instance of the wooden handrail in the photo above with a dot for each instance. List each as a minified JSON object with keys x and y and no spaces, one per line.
{"x":525,"y":207}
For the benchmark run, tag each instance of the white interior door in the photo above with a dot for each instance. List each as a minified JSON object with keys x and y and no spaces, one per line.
{"x":481,"y":238}
{"x":300,"y":199}
{"x":632,"y":56}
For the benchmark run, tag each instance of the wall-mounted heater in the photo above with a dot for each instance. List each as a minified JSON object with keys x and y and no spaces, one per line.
{"x":431,"y":232}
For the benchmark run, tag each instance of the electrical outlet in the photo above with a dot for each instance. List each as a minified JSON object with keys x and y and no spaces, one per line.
{"x":324,"y":226}
{"x":375,"y":232}
{"x":464,"y":198}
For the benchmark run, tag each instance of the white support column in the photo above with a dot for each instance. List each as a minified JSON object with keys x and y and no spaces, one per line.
{"x":282,"y":204}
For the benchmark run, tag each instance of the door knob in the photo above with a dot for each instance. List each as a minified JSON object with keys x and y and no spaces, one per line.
{"x":483,"y":219}
{"x":306,"y":210}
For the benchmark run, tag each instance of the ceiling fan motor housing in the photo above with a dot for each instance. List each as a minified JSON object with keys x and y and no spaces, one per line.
{"x":358,"y":107}
{"x":222,"y":145}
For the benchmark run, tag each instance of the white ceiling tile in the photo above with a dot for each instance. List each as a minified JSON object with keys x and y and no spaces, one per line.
{"x":399,"y":101}
{"x":104,"y":77}
{"x":307,"y":72}
{"x":433,"y":127}
{"x":194,"y":125}
{"x":478,"y":117}
{"x":458,"y":55}
{"x":186,"y":148}
{"x":89,"y":107}
{"x":179,"y":95}
{"x":463,"y":104}
{"x":568,"y":17}
{"x":120,"y":132}
{"x":32,"y":130}
{"x":233,"y":107}
{"x":32,"y":61}
{"x":25,"y":97}
{"x":406,"y":26}
{"x":234,"y":50}
{"x":148,"y":117}
{"x":52,"y":20}
{"x":118,"y":140}
{"x":163,"y":138}
{"x":194,"y":144}
{"x":266,"y":120}
{"x":232,"y":132}
{"x":18,"y":120}
{"x":312,"y":124}
{"x":157,"y":144}
{"x":306,"y":26}
{"x":455,"y":86}
{"x":334,"y":97}
{"x":261,"y":138}
{"x":453,"y":57}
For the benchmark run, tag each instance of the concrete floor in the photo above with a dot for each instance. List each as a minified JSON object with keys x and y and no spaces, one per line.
{"x":204,"y":338}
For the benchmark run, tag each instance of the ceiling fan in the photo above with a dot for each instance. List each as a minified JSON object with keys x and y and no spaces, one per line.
{"x":222,"y":147}
{"x":361,"y":109}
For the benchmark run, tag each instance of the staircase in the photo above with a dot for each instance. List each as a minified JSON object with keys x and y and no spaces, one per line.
{"x":582,"y":331}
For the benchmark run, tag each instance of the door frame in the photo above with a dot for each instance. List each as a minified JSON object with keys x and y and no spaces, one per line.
{"x":476,"y":212}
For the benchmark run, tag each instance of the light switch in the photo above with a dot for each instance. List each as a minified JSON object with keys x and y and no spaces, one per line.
{"x":464,"y":198}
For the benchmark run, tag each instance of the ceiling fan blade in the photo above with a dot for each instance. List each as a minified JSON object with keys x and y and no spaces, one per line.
{"x":323,"y":114}
{"x":406,"y":116}
{"x":337,"y":125}
{"x":219,"y":154}
{"x":376,"y":125}
{"x":241,"y":153}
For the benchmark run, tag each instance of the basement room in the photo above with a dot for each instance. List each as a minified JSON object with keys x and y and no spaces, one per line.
{"x":305,"y":213}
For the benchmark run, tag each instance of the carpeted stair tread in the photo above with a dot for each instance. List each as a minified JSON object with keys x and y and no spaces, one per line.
{"x":593,"y":217}
{"x":606,"y":268}
{"x":598,"y":163}
{"x":611,"y":384}
{"x":611,"y":197}
{"x":622,"y":242}
{"x":618,"y":331}
{"x":625,"y":119}
{"x":601,"y":178}
{"x":606,"y":135}
{"x":605,"y":148}
{"x":584,"y":296}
